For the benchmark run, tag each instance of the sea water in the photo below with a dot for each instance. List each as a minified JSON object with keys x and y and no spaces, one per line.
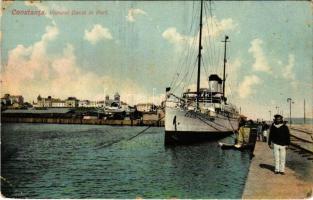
{"x":90,"y":161}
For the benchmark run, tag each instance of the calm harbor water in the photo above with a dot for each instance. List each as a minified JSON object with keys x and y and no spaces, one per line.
{"x":87,"y":161}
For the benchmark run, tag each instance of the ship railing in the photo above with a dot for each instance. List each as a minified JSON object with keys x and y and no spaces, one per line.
{"x":176,"y":97}
{"x":211,"y":100}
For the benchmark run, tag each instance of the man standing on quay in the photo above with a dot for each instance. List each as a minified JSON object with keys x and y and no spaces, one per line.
{"x":280,"y":138}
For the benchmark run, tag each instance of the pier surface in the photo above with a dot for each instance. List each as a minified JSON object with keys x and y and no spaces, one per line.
{"x":262,"y":183}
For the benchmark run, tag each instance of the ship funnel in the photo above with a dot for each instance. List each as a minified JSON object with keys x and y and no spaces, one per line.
{"x":215,"y":83}
{"x":167,"y":90}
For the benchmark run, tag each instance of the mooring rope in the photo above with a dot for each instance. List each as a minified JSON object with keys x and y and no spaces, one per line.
{"x":6,"y":181}
{"x":132,"y":137}
{"x":145,"y":129}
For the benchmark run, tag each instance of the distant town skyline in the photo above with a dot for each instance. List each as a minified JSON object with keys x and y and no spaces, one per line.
{"x":91,"y":49}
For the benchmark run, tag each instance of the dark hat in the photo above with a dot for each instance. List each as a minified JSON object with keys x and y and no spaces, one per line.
{"x":277,"y":116}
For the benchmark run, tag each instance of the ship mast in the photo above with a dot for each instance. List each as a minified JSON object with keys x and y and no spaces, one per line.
{"x":199,"y":56}
{"x":225,"y":60}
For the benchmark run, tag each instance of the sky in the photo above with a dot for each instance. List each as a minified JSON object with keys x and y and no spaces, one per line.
{"x":89,"y":49}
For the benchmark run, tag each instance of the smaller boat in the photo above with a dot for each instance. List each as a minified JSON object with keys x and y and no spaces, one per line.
{"x":245,"y":139}
{"x":236,"y":146}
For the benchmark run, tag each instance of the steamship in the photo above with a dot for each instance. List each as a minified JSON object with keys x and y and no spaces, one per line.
{"x":200,"y":115}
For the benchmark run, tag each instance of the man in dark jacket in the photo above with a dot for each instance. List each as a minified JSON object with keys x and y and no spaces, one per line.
{"x":279,"y":139}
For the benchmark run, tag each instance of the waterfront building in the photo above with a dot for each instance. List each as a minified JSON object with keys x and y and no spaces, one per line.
{"x":44,"y":102}
{"x":39,"y":102}
{"x":146,"y":107}
{"x":49,"y":102}
{"x":71,"y":102}
{"x":100,"y":104}
{"x":117,"y":97}
{"x":84,"y":103}
{"x":115,"y":102}
{"x":91,"y":104}
{"x":15,"y":105}
{"x":57,"y":103}
{"x":8,"y":99}
{"x":108,"y":102}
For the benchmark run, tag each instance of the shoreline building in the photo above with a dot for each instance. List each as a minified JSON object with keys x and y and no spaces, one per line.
{"x":146,"y":107}
{"x":49,"y":102}
{"x":58,"y":103}
{"x":84,"y":103}
{"x":91,"y":104}
{"x":71,"y":102}
{"x":11,"y":99}
{"x":115,"y":102}
{"x":14,"y":101}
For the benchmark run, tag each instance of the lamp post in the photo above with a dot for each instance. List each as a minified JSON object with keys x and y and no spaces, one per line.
{"x":277,"y":109}
{"x":304,"y":111}
{"x":290,"y":101}
{"x":270,"y":114}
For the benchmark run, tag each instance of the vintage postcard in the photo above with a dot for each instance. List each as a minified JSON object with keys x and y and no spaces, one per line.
{"x":156,"y":99}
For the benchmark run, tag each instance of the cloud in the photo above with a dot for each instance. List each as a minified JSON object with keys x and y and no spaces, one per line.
{"x":232,"y":77}
{"x":260,"y":63}
{"x":24,"y":60}
{"x":174,"y":37}
{"x":288,"y":72}
{"x":245,"y":88}
{"x":31,"y":71}
{"x":133,"y":12}
{"x":288,"y":69}
{"x":26,"y":63}
{"x":233,"y":68}
{"x":97,"y":33}
{"x":212,"y":27}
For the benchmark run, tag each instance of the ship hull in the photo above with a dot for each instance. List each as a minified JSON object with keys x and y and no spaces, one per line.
{"x":179,"y":137}
{"x":183,"y":126}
